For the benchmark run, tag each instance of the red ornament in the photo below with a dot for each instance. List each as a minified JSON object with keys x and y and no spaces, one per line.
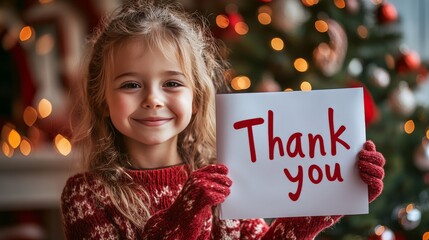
{"x":407,"y":62}
{"x":386,"y":13}
{"x":371,"y":110}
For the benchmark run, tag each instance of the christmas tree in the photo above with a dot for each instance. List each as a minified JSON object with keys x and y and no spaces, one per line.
{"x":287,"y":45}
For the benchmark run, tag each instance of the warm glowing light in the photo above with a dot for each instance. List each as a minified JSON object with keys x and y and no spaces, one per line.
{"x":321,"y":26}
{"x":409,"y":207}
{"x":309,"y":3}
{"x":264,"y":18}
{"x":288,"y":90}
{"x":30,"y":116}
{"x":340,"y":3}
{"x":427,"y":134}
{"x":7,"y":128}
{"x":63,"y":145}
{"x":222,"y":21}
{"x":45,"y":1}
{"x":44,"y":108}
{"x":14,"y":139}
{"x":7,"y":150}
{"x":362,"y":31}
{"x":240,"y":83}
{"x":305,"y":86}
{"x":379,"y":230}
{"x":425,"y":236}
{"x":45,"y":44}
{"x":277,"y":44}
{"x":265,"y":9}
{"x":25,"y":33}
{"x":409,"y":126}
{"x":390,"y":61}
{"x":300,"y":65}
{"x":241,"y":28}
{"x":25,"y":147}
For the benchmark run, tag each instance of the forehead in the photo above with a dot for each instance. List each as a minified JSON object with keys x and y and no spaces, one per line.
{"x":142,"y":45}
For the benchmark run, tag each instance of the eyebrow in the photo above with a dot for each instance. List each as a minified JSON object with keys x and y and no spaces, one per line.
{"x":135,"y":74}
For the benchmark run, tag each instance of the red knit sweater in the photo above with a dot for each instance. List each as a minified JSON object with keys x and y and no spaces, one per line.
{"x":88,"y":217}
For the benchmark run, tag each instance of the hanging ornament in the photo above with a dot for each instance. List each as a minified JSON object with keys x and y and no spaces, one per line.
{"x":386,"y":13}
{"x":371,"y":110}
{"x":288,"y":15}
{"x":378,"y":76}
{"x":268,"y":84}
{"x":409,"y":217}
{"x":352,"y":6}
{"x":382,"y":233}
{"x":421,"y":155}
{"x":402,"y":100}
{"x":407,"y":62}
{"x":329,"y":58}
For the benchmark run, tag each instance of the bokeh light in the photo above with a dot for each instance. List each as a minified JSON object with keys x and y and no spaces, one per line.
{"x":44,"y":108}
{"x":277,"y":44}
{"x":362,"y":31}
{"x":264,"y":18}
{"x":29,"y":116}
{"x":241,"y":28}
{"x":14,"y":138}
{"x":45,"y":44}
{"x":300,"y":65}
{"x":240,"y":83}
{"x":409,"y":126}
{"x":305,"y":86}
{"x":25,"y":33}
{"x":7,"y":150}
{"x":321,"y":26}
{"x":222,"y":21}
{"x":62,"y":145}
{"x":25,"y":147}
{"x":340,"y":4}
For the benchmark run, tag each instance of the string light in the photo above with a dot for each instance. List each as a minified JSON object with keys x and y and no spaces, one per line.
{"x":29,"y":116}
{"x":7,"y":150}
{"x":25,"y":33}
{"x":300,"y":65}
{"x":25,"y":147}
{"x":321,"y":26}
{"x":305,"y":86}
{"x":340,"y":4}
{"x":277,"y":44}
{"x":62,"y":145}
{"x":409,"y":126}
{"x":362,"y":31}
{"x":309,"y":3}
{"x":425,"y":236}
{"x":241,"y":28}
{"x":44,"y":108}
{"x":240,"y":83}
{"x":222,"y":21}
{"x":14,"y":139}
{"x":264,"y":18}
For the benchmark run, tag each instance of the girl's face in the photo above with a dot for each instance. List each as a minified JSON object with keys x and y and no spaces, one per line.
{"x":148,"y":96}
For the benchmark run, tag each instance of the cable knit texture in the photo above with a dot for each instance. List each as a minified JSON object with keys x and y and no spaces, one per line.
{"x":182,"y":203}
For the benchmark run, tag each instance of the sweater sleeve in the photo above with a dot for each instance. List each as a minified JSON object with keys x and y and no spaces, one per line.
{"x":83,"y":216}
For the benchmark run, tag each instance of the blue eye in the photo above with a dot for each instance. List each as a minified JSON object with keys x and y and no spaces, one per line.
{"x":130,"y":85}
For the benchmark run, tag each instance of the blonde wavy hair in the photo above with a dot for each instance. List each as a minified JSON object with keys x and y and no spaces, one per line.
{"x":162,"y":26}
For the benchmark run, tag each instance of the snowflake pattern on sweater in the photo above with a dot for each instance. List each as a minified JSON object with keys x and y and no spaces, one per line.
{"x":88,"y":213}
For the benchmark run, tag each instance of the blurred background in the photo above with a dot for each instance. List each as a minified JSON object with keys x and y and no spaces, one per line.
{"x":273,"y":45}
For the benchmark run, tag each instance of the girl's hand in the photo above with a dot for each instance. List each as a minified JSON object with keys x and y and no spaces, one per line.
{"x":370,"y":164}
{"x":205,"y":187}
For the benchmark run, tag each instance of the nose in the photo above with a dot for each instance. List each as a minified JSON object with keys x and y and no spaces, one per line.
{"x":152,"y":99}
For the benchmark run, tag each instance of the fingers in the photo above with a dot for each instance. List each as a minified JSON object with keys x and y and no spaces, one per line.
{"x":369,"y":146}
{"x":370,"y":170}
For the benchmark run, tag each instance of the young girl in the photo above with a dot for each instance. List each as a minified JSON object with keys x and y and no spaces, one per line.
{"x":147,"y":135}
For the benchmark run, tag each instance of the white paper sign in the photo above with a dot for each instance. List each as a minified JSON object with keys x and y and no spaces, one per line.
{"x":292,"y":153}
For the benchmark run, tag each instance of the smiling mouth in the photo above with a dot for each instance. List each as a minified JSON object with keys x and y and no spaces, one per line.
{"x":153,"y":121}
